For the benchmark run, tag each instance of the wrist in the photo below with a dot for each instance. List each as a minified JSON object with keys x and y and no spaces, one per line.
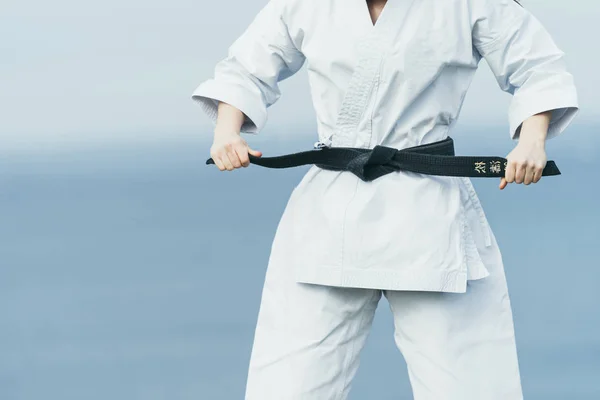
{"x":533,"y":137}
{"x":225,"y":131}
{"x":534,"y":130}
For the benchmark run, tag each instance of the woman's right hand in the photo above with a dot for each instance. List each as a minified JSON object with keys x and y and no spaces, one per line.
{"x":230,"y":151}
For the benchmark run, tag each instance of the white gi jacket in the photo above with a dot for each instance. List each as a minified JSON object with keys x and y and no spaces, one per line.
{"x":398,"y":83}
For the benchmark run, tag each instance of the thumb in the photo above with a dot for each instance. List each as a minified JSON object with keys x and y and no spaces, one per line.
{"x":255,"y":153}
{"x":503,"y":183}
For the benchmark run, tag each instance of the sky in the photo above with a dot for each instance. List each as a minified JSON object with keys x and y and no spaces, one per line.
{"x":80,"y":73}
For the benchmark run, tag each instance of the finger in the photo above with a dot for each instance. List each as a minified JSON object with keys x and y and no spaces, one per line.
{"x":233,"y":157}
{"x":537,"y":174}
{"x":503,"y":183}
{"x":519,"y":173}
{"x":218,"y":163}
{"x":216,"y":157}
{"x":255,"y":153}
{"x":242,"y":153}
{"x":529,"y":172}
{"x":509,"y":174}
{"x":227,"y":162}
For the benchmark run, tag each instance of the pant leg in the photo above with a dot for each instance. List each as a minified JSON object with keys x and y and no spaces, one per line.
{"x":308,"y":337}
{"x":460,"y":346}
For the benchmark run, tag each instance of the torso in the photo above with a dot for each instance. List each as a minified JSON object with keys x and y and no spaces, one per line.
{"x":398,"y":82}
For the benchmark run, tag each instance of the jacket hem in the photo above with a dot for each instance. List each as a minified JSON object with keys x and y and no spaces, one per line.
{"x":443,"y":281}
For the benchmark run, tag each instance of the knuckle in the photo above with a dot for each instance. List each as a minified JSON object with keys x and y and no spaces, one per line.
{"x":243,"y":151}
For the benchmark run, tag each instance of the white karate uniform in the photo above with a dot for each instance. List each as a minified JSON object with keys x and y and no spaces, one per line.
{"x":457,"y":346}
{"x":398,"y":83}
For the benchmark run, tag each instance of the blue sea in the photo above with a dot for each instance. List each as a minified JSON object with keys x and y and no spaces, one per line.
{"x":134,"y":271}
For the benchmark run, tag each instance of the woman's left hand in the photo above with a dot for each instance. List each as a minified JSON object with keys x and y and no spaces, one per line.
{"x":528,"y":159}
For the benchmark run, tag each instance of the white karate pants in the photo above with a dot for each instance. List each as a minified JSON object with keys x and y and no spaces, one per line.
{"x":457,"y":346}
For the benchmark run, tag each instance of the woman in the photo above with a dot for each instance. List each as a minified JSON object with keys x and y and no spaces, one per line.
{"x":393,"y":74}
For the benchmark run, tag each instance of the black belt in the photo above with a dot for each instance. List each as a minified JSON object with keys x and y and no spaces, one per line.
{"x":368,"y":164}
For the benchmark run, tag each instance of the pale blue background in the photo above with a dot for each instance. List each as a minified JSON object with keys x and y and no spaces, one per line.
{"x":130,"y":270}
{"x":136,"y":272}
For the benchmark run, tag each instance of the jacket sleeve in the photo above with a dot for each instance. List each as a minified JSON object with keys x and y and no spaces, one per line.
{"x":248,"y":77}
{"x":526,"y":62}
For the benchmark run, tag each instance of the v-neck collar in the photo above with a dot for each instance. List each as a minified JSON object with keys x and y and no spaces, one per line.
{"x":366,"y":12}
{"x":394,"y":10}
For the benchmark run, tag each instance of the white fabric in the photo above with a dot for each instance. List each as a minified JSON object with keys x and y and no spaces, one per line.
{"x":457,"y":346}
{"x":399,"y":83}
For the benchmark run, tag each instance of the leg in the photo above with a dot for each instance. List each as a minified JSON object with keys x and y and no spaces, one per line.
{"x":308,"y":337}
{"x":460,"y":346}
